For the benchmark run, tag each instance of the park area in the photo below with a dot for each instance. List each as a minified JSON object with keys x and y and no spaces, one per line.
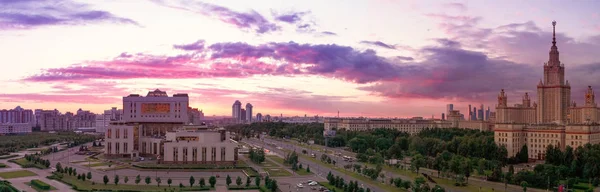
{"x":16,"y":174}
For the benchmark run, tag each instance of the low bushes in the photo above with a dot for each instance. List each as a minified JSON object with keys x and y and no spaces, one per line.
{"x":40,"y":184}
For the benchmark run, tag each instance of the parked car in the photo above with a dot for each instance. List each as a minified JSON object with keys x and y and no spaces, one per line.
{"x":300,"y":185}
{"x":312,"y":183}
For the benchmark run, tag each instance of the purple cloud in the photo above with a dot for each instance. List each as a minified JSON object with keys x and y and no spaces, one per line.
{"x":251,"y":20}
{"x":379,"y":44}
{"x":291,"y":17}
{"x":196,"y":46}
{"x":328,"y":33}
{"x":29,"y":14}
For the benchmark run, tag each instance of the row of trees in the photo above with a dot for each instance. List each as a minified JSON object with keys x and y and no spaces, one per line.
{"x":302,"y":132}
{"x":36,"y":159}
{"x":14,"y":143}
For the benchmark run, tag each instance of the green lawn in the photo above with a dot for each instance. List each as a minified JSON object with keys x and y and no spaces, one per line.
{"x":8,"y":156}
{"x":88,"y":186}
{"x":278,"y":172}
{"x":330,"y":187}
{"x":95,"y":164}
{"x":2,"y":165}
{"x":24,"y":163}
{"x":303,"y":172}
{"x":16,"y":174}
{"x":276,"y":159}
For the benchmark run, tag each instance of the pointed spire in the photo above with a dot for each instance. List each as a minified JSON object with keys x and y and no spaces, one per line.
{"x":553,"y":60}
{"x":554,"y":33}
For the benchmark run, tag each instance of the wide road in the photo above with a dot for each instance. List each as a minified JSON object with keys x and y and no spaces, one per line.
{"x":319,"y":170}
{"x":433,"y":173}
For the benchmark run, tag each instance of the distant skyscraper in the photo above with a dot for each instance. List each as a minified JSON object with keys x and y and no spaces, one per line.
{"x":474,"y":117}
{"x":443,"y":116}
{"x":249,"y":112}
{"x":268,"y":117}
{"x":236,"y":110}
{"x":259,"y":117}
{"x":470,"y":113}
{"x":449,"y":108}
{"x":480,"y":115}
{"x":487,"y":114}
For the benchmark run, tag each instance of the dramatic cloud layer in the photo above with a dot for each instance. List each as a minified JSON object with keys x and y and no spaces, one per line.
{"x":25,"y":14}
{"x":446,"y":70}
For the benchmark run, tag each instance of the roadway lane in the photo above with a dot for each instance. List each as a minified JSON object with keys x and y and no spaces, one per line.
{"x":319,"y":170}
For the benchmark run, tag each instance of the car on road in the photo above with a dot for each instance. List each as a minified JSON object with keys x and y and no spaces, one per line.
{"x":300,"y":185}
{"x":312,"y":183}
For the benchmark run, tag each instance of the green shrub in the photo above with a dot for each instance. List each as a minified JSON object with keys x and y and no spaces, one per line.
{"x":40,"y":184}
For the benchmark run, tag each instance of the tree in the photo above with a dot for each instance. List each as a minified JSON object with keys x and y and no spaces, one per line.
{"x":257,"y":181}
{"x":158,"y":181}
{"x":169,"y":181}
{"x":212,"y":180}
{"x":116,"y":179}
{"x":524,"y":185}
{"x":202,"y":182}
{"x":126,"y":179}
{"x":523,"y":155}
{"x":89,"y":175}
{"x":138,"y":179}
{"x":308,"y":168}
{"x":417,"y":162}
{"x":248,"y":181}
{"x":105,"y":179}
{"x":148,"y":180}
{"x":238,"y":181}
{"x":228,"y":180}
{"x":70,"y":170}
{"x":58,"y":167}
{"x":192,"y":181}
{"x":274,"y":186}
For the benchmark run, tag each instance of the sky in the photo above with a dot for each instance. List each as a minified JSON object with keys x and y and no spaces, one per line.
{"x":373,"y":58}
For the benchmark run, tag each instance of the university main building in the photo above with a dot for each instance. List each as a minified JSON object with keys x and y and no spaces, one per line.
{"x":552,"y":120}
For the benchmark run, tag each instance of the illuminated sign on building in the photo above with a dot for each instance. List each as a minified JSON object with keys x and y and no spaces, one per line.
{"x":156,"y":107}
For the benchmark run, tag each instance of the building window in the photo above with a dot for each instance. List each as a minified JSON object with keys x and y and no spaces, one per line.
{"x":203,"y":154}
{"x":109,"y":147}
{"x":108,"y":133}
{"x":125,"y":133}
{"x":144,"y":147}
{"x":185,"y":154}
{"x":194,"y":154}
{"x":117,"y":151}
{"x":222,"y":153}
{"x":175,"y":154}
{"x":117,"y":133}
{"x":213,"y":154}
{"x":155,"y":148}
{"x":125,"y":147}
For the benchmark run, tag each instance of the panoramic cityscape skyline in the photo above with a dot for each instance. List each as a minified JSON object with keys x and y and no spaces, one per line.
{"x":292,"y":58}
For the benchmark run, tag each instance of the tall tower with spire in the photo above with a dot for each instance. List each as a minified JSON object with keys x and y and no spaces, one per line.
{"x":554,"y":93}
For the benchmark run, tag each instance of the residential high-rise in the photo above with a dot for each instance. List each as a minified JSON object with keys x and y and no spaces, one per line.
{"x":236,"y":110}
{"x":259,"y":117}
{"x":248,"y":112}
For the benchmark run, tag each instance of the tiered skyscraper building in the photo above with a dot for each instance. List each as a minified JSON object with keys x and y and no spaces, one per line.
{"x":240,"y":114}
{"x":552,"y":120}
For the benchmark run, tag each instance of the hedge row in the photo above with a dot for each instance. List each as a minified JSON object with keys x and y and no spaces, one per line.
{"x":8,"y":156}
{"x":242,"y":188}
{"x":40,"y":184}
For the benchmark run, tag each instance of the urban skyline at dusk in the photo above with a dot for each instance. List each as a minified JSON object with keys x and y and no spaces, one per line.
{"x":386,"y":59}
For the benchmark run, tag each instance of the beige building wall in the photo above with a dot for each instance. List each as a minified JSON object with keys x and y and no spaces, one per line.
{"x":119,"y":139}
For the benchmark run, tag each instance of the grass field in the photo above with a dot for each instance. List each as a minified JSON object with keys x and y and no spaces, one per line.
{"x":276,"y":159}
{"x":8,"y":156}
{"x":16,"y":174}
{"x":303,"y":172}
{"x":95,"y":164}
{"x":277,"y":172}
{"x":88,"y":186}
{"x":24,"y":163}
{"x":2,"y":165}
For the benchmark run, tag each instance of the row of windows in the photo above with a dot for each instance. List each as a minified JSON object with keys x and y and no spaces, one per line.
{"x":117,"y":133}
{"x":213,"y":154}
{"x":109,"y":148}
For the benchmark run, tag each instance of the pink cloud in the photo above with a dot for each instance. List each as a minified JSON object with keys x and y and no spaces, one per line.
{"x":58,"y":98}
